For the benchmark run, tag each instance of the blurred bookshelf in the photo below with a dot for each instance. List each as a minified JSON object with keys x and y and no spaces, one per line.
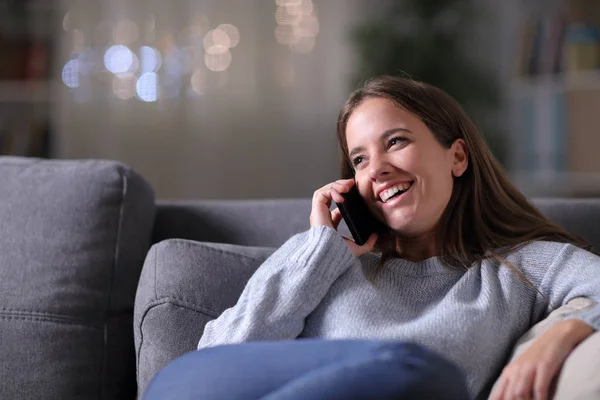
{"x":554,"y":99}
{"x":27,"y":31}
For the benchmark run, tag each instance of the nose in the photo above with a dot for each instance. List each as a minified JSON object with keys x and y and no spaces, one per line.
{"x":378,"y":166}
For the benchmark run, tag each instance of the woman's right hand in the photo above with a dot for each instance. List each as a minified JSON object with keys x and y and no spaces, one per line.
{"x":320,"y":214}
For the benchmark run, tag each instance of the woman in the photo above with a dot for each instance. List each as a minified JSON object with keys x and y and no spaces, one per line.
{"x":464,"y":266}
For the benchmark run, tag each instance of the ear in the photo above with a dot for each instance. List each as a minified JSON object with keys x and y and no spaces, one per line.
{"x":460,"y":159}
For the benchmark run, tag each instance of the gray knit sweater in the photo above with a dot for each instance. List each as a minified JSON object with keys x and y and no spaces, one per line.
{"x":313,"y":286}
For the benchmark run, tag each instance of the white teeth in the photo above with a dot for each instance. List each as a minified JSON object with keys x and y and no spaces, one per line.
{"x":386,"y":194}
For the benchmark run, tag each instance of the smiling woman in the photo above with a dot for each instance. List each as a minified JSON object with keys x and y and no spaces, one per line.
{"x":464,"y":266}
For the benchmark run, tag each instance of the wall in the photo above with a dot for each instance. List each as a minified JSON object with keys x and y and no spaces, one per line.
{"x":254,"y":137}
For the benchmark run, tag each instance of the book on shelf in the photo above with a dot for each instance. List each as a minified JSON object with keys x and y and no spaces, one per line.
{"x":542,"y":130}
{"x":556,"y":130}
{"x":550,"y":44}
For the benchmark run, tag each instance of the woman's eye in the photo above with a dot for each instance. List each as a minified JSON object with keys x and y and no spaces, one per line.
{"x":356,"y":161}
{"x":396,"y":140}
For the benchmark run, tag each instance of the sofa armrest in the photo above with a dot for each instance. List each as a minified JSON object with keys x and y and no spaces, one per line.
{"x":185,"y":284}
{"x":579,"y":377}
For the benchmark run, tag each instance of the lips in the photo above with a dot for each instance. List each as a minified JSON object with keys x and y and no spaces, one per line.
{"x":402,"y":185}
{"x":397,"y":199}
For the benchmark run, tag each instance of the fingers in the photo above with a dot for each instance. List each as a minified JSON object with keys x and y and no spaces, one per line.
{"x":541,"y":387}
{"x":332,"y":191}
{"x":336,"y":196}
{"x":370,"y":243}
{"x":321,"y":202}
{"x":336,"y":218}
{"x":521,"y":386}
{"x":365,"y":248}
{"x":523,"y":383}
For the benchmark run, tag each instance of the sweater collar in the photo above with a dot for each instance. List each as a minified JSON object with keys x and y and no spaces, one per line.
{"x":428,"y":266}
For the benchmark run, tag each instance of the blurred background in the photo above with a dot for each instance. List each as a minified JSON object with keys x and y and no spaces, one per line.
{"x":238,"y":99}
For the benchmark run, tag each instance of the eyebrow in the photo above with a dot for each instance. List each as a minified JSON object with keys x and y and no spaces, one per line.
{"x":384,"y":135}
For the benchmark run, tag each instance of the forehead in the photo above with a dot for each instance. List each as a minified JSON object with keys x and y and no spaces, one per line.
{"x":374,"y":116}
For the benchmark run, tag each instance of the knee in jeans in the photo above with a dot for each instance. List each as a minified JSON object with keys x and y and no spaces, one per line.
{"x":417,"y":356}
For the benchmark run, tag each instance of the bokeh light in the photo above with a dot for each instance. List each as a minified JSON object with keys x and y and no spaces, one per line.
{"x":287,"y":2}
{"x":135,"y":65}
{"x":70,"y":74}
{"x":284,"y":17}
{"x":232,"y":33}
{"x":197,"y":81}
{"x":68,"y":21}
{"x":284,"y":34}
{"x":185,"y":56}
{"x":151,"y":59}
{"x":306,"y":7}
{"x":308,"y":27}
{"x":297,"y":24}
{"x":147,"y":87}
{"x":118,"y":59}
{"x":217,"y":62}
{"x":216,"y":41}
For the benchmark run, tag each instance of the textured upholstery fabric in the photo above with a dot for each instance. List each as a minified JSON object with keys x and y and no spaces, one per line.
{"x":241,"y":222}
{"x":73,"y":237}
{"x":271,"y":222}
{"x":185,"y":284}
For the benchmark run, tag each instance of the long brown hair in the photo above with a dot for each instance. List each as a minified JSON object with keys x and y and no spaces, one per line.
{"x":487,"y":216}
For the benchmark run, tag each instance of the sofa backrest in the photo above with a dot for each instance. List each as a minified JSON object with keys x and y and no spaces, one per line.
{"x":73,"y":238}
{"x":270,"y":223}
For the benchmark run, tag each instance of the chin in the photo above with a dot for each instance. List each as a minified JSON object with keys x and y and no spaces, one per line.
{"x":402,"y":227}
{"x":406,"y":225}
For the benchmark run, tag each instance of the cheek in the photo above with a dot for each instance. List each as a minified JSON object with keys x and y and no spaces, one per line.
{"x":437,"y":182}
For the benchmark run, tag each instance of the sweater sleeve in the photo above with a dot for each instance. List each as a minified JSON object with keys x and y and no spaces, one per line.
{"x":284,"y":290}
{"x":574,"y":273}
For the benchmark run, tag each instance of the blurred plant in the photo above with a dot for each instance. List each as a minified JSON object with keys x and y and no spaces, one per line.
{"x":427,"y":40}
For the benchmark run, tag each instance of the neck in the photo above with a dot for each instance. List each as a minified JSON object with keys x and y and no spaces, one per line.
{"x":417,"y":248}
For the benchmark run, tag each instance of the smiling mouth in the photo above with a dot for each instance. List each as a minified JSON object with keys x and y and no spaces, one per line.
{"x":396,"y":195}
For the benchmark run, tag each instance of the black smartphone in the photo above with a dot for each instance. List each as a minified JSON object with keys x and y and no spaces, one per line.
{"x":359,"y":219}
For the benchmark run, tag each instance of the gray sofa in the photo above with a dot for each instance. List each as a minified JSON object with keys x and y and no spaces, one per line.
{"x":101,"y":286}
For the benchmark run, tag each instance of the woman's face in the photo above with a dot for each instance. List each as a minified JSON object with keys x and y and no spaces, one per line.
{"x":393,"y":151}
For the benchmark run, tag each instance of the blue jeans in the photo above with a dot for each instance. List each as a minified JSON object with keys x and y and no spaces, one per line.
{"x":309,"y":369}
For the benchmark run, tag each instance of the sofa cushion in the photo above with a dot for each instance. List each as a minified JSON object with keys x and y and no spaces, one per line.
{"x":73,"y":237}
{"x":185,"y":284}
{"x":578,"y":377}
